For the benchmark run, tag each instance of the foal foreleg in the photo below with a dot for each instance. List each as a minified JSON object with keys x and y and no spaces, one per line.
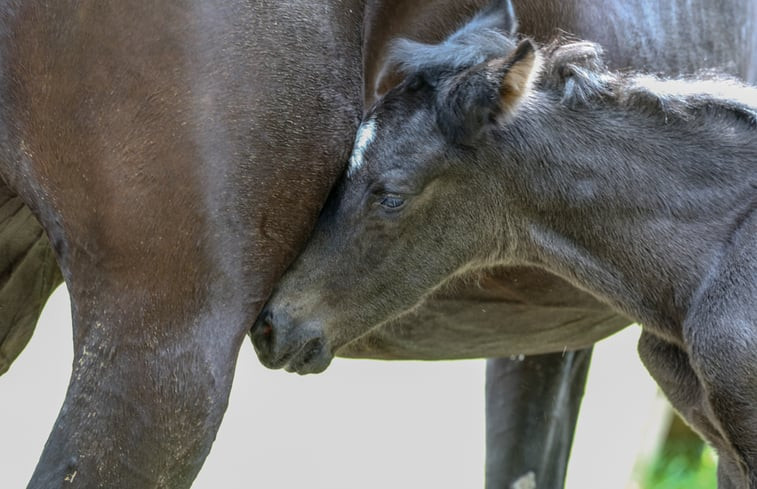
{"x":669,"y":365}
{"x":531,"y":411}
{"x":721,"y":335}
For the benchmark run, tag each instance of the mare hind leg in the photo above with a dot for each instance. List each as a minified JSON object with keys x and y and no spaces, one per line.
{"x":721,"y":336}
{"x":28,"y":275}
{"x":531,"y":411}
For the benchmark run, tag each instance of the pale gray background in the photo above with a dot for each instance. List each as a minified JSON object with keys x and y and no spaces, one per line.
{"x":361,"y":425}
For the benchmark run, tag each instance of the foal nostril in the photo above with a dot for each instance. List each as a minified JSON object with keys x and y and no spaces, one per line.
{"x":262,"y":323}
{"x":261,"y":334}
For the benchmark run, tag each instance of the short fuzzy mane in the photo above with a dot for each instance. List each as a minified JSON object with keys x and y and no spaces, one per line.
{"x":577,"y":72}
{"x":681,"y":98}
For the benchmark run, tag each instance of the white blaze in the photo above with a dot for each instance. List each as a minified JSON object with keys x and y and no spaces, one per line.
{"x":365,"y":135}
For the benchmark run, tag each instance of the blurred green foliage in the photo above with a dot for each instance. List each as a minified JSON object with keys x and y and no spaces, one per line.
{"x":676,"y":470}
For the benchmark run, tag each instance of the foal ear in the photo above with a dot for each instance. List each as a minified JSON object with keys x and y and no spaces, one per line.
{"x":515,"y":74}
{"x":479,"y":96}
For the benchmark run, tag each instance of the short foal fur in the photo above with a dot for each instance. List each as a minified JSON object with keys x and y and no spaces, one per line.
{"x":639,"y":190}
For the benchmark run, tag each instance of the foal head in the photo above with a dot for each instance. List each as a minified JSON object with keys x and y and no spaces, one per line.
{"x":405,"y":217}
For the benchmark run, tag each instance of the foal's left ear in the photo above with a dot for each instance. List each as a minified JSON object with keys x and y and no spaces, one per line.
{"x":481,"y":95}
{"x":515,"y":74}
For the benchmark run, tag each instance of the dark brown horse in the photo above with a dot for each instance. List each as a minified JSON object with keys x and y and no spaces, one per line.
{"x":167,"y":160}
{"x":175,"y":155}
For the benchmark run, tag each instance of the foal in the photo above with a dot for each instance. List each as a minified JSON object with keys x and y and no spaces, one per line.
{"x":639,"y":190}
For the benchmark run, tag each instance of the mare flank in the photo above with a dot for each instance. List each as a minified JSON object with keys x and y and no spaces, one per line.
{"x":167,"y":159}
{"x":639,"y":190}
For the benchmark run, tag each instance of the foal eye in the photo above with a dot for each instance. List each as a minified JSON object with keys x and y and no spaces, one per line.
{"x":391,"y":202}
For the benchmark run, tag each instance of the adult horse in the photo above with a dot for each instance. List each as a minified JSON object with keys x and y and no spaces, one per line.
{"x":170,"y":158}
{"x":175,"y":155}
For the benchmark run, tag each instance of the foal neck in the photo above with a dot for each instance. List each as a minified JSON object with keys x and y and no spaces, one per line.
{"x":624,"y":203}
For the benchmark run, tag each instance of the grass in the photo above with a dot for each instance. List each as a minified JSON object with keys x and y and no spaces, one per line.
{"x":681,"y":471}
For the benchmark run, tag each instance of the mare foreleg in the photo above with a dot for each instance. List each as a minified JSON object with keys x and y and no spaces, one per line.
{"x":531,"y":411}
{"x":149,"y":386}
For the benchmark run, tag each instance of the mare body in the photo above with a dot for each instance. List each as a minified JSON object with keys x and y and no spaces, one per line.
{"x":641,"y":195}
{"x":168,"y":160}
{"x":175,"y":155}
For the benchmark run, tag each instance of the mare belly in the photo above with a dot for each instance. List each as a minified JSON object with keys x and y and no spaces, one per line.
{"x":507,"y":311}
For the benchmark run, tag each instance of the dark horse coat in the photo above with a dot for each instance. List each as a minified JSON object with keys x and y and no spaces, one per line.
{"x":639,"y":190}
{"x":167,"y":160}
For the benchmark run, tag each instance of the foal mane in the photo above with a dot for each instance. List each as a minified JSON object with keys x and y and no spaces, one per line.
{"x":682,"y":98}
{"x":576,"y":71}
